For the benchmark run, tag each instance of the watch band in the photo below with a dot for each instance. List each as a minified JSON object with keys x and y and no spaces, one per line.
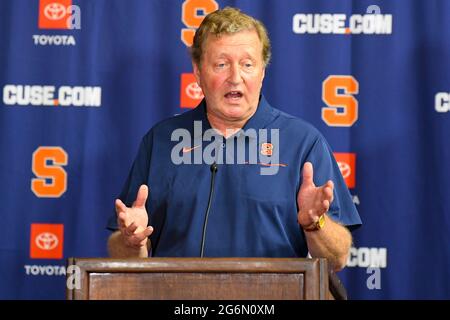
{"x":317,"y":225}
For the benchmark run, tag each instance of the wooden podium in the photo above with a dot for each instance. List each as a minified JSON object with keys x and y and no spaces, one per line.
{"x":205,"y":279}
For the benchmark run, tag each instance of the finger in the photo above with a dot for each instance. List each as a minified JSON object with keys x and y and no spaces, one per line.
{"x":148,"y":231}
{"x":144,"y":234}
{"x":330,"y":184}
{"x":120,"y":206}
{"x":328,"y":193}
{"x":131,"y":228}
{"x":138,"y":239}
{"x":141,"y":196}
{"x":126,"y":232}
{"x":130,"y":242}
{"x":326,"y":205}
{"x":307,"y":173}
{"x":136,"y":245}
{"x":121,"y":220}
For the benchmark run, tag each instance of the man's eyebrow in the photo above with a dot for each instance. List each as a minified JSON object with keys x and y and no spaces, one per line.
{"x":246,"y":55}
{"x":223,"y":55}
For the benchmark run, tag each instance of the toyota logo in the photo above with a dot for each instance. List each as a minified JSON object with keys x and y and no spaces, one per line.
{"x":46,"y":241}
{"x":54,"y":11}
{"x":194,"y":91}
{"x":345,"y":168}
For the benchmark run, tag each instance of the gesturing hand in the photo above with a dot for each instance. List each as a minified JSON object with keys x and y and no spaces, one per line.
{"x":133,"y":221}
{"x":312,"y":201}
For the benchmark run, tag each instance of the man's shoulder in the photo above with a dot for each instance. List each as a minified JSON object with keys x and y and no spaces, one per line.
{"x":179,"y":121}
{"x":293,"y":124}
{"x":182,"y":120}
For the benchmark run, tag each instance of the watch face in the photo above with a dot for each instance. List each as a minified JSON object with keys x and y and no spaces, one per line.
{"x":321,"y":221}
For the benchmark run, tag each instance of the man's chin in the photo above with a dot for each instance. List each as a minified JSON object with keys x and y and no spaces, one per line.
{"x":238,"y":117}
{"x":235,"y":113}
{"x":234,"y":102}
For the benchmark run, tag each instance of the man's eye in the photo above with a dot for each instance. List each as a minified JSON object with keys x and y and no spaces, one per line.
{"x":220,"y":65}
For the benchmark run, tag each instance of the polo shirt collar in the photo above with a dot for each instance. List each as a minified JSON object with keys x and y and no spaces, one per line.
{"x":261,"y":118}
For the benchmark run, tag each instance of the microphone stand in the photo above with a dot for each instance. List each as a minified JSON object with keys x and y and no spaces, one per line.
{"x":211,"y":193}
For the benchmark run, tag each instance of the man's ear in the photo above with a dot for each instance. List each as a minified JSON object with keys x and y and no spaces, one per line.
{"x":196,"y":69}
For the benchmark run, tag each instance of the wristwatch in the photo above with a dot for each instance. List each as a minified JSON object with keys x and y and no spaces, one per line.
{"x":316,"y":225}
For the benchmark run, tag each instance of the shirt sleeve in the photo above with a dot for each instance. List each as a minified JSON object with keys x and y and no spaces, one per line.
{"x":138,"y":175}
{"x":325,"y":167}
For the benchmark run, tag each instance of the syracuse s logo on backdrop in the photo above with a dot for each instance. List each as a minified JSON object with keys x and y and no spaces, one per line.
{"x":337,"y":93}
{"x":192,"y":14}
{"x":51,"y":181}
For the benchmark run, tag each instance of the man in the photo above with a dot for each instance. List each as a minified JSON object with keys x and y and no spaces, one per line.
{"x":236,"y":211}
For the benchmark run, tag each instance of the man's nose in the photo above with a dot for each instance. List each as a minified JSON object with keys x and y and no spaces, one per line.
{"x":235,"y":77}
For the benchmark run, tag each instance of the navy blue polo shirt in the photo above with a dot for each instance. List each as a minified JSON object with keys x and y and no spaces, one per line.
{"x":251,"y":214}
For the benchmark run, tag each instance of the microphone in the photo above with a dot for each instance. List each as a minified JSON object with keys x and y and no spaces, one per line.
{"x":213,"y":169}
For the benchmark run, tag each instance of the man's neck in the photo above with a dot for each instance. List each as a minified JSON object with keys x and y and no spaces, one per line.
{"x":225,"y":128}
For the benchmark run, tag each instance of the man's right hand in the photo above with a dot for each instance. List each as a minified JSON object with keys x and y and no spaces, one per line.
{"x":133,"y":221}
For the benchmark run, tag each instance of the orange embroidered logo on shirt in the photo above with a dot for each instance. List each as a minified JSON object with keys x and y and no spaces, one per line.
{"x":266,"y":149}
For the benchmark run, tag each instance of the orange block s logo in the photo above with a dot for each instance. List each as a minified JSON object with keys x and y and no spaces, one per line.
{"x":342,"y":110}
{"x":191,"y":17}
{"x":55,"y":173}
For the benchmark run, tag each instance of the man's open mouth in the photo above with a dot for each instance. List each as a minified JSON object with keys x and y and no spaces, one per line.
{"x":234,"y":95}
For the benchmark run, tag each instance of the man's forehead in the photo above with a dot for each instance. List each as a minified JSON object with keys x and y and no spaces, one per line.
{"x":244,"y":37}
{"x":224,"y":43}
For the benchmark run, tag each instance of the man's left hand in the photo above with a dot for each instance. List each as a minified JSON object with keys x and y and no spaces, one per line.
{"x":312,"y":201}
